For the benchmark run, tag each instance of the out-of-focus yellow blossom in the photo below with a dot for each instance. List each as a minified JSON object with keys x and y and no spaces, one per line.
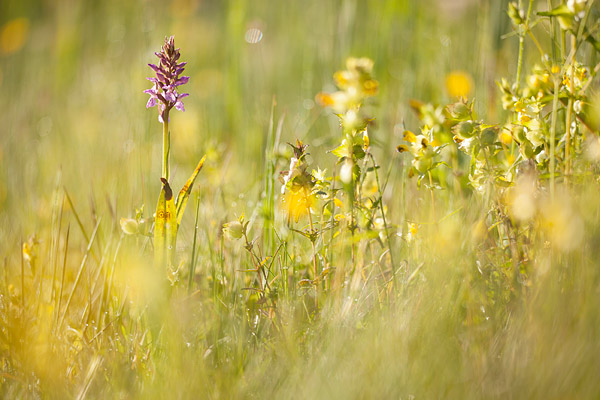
{"x":422,"y":149}
{"x":459,"y":84}
{"x":30,"y":249}
{"x":505,"y":137}
{"x":575,"y":77}
{"x":13,"y":35}
{"x":298,"y":201}
{"x":562,"y":223}
{"x":539,"y":83}
{"x":413,"y":229}
{"x":298,"y":184}
{"x":521,"y":199}
{"x":356,"y":84}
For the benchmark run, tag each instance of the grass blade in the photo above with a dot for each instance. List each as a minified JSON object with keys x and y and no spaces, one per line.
{"x":184,"y":193}
{"x":81,"y":268}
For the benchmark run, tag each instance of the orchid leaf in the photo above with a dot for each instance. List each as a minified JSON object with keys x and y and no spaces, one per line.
{"x":184,"y":193}
{"x":165,"y":227}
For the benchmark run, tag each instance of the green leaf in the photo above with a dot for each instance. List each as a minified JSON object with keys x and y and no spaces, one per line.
{"x":341,"y":151}
{"x":165,"y":227}
{"x":502,"y":182}
{"x":184,"y":193}
{"x":358,"y":151}
{"x":561,"y":10}
{"x":591,"y":40}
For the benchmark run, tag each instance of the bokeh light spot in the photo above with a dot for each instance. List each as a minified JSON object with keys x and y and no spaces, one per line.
{"x":14,"y":35}
{"x":459,"y":84}
{"x":253,"y":35}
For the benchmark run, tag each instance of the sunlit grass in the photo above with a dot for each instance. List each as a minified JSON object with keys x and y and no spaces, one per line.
{"x":432,"y":234}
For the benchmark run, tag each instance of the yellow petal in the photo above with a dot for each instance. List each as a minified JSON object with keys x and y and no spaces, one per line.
{"x":410,"y":137}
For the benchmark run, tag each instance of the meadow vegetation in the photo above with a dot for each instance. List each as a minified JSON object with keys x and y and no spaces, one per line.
{"x":391,"y":199}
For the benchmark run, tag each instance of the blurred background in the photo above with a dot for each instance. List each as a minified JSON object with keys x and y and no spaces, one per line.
{"x":72,"y":75}
{"x":73,"y":120}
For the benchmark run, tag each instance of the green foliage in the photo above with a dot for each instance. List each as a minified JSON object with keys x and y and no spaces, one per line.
{"x":443,"y":248}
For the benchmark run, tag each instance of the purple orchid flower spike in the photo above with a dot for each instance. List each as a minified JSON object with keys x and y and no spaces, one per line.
{"x":164,"y":92}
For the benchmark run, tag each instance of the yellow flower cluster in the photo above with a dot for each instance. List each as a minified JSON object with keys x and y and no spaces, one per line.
{"x":355,"y":84}
{"x":420,"y":146}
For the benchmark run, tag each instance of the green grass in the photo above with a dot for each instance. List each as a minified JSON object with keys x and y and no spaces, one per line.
{"x":475,"y":304}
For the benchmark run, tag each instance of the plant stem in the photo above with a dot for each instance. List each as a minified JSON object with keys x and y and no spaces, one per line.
{"x":166,"y":146}
{"x":522,"y":43}
{"x":569,"y":111}
{"x":432,"y":196}
{"x":22,"y":281}
{"x":192,"y":271}
{"x":553,"y":37}
{"x":553,"y":136}
{"x":314,"y":251}
{"x":385,"y":225}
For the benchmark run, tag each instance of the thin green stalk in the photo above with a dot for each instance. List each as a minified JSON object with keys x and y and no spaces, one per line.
{"x":522,"y":43}
{"x":432,"y":196}
{"x":76,"y":215}
{"x":56,"y":247}
{"x":351,"y":194}
{"x":332,"y":222}
{"x":385,"y":224}
{"x":352,"y":225}
{"x":22,"y":280}
{"x":553,"y":136}
{"x":58,"y":300}
{"x":166,"y":146}
{"x":314,"y":257}
{"x":569,"y":112}
{"x":193,"y":260}
{"x":553,"y":30}
{"x":269,"y":195}
{"x":79,"y":273}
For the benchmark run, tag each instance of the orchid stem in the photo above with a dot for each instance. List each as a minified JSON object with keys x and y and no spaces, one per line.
{"x":166,"y":146}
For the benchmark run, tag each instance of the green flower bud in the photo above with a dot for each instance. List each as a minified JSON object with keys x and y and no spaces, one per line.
{"x":465,"y":129}
{"x":459,"y":111}
{"x":233,"y":230}
{"x":423,"y":164}
{"x":515,"y":15}
{"x":488,"y":136}
{"x":129,"y":226}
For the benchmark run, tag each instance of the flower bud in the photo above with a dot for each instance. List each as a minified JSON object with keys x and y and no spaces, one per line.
{"x":515,"y":15}
{"x":459,"y":111}
{"x":422,"y":164}
{"x":465,"y":129}
{"x":489,"y":136}
{"x":129,"y":226}
{"x":233,"y":230}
